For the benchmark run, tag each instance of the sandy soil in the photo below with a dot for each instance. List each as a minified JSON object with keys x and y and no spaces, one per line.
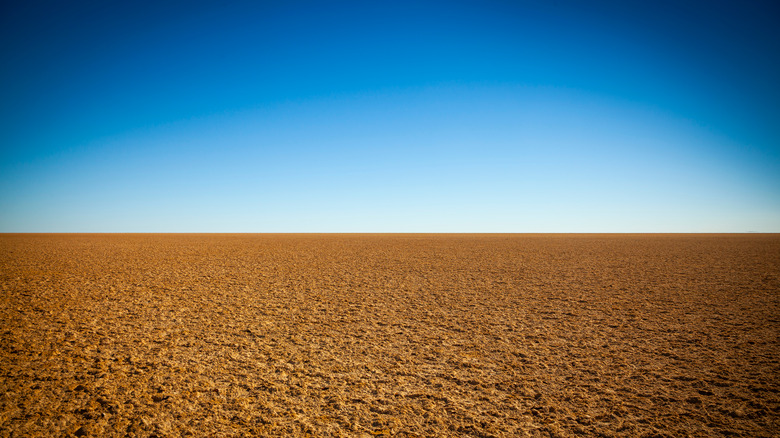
{"x":390,"y":335}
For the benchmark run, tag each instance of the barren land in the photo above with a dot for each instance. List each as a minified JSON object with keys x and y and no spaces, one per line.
{"x":402,"y":335}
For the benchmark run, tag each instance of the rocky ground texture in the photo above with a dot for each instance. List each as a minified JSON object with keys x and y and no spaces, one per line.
{"x":389,"y":335}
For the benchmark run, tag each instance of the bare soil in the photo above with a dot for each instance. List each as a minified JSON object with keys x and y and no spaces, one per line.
{"x":390,"y":335}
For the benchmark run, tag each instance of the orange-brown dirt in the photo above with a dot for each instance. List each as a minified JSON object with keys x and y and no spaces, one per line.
{"x":390,"y":335}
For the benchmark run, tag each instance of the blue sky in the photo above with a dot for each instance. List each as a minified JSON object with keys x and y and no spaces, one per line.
{"x":390,"y":117}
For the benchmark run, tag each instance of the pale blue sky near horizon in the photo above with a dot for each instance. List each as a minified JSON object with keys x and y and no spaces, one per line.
{"x":390,"y":117}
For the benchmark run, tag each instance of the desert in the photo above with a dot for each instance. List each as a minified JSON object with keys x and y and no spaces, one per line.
{"x":407,"y":335}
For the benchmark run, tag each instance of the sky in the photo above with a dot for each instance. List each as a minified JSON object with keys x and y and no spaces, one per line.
{"x":483,"y":116}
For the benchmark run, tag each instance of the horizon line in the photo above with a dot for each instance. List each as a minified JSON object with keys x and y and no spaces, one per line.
{"x":377,"y":232}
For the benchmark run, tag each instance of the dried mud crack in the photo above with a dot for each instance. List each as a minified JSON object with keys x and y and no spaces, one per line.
{"x":389,"y":335}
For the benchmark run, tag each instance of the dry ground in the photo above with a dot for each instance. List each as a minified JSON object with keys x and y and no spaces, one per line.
{"x":389,"y":335}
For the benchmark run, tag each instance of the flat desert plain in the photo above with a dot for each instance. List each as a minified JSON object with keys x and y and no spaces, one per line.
{"x":390,"y":335}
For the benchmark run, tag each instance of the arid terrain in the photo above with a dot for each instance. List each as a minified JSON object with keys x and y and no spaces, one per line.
{"x":389,"y":335}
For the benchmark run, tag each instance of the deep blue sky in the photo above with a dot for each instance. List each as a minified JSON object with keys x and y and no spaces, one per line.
{"x":390,"y":117}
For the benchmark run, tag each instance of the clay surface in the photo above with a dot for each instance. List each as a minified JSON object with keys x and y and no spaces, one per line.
{"x":389,"y":335}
